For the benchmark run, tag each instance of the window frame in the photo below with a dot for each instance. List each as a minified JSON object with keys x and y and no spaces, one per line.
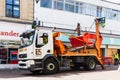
{"x":12,"y":15}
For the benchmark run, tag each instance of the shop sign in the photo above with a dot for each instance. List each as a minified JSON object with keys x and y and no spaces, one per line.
{"x":11,"y":33}
{"x":9,"y":42}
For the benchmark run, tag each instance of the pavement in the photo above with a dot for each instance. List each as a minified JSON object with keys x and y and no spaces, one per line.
{"x":8,"y":66}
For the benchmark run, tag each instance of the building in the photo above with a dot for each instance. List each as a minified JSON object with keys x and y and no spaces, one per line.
{"x":67,"y":13}
{"x":16,"y":16}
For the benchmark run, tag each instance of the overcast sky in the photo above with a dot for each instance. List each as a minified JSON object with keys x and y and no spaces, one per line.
{"x":116,"y":1}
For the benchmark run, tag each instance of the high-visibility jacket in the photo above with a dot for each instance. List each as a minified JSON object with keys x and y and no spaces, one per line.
{"x":45,"y":40}
{"x":116,"y":56}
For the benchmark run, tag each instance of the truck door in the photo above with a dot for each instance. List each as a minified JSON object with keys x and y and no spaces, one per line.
{"x":44,"y":43}
{"x":42,"y":39}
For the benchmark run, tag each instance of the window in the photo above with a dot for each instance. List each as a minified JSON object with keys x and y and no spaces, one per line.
{"x":89,"y":9}
{"x":27,"y":38}
{"x":114,"y":14}
{"x":119,"y":15}
{"x":70,"y":1}
{"x":41,"y":39}
{"x":77,"y":7}
{"x":81,"y":8}
{"x":99,"y":11}
{"x":106,"y":12}
{"x":46,"y":3}
{"x":59,"y":4}
{"x":3,"y":56}
{"x":69,"y":5}
{"x":13,"y":8}
{"x":93,"y":10}
{"x":13,"y":55}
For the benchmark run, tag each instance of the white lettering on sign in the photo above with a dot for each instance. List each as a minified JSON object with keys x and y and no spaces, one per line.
{"x":11,"y":33}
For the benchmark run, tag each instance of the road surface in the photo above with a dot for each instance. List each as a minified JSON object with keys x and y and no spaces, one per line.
{"x":110,"y":73}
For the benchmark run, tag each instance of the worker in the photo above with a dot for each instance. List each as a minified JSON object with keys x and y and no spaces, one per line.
{"x":45,"y":38}
{"x":116,"y":58}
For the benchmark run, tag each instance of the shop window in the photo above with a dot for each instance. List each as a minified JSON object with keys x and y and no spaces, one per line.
{"x":46,"y":3}
{"x":3,"y":56}
{"x":13,"y":57}
{"x":13,"y":8}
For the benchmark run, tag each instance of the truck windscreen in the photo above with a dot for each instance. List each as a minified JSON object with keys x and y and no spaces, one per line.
{"x":27,"y":38}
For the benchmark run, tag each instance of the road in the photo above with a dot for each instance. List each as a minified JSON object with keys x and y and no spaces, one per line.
{"x":110,"y":73}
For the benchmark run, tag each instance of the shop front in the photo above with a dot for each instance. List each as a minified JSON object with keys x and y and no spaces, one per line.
{"x":10,"y":41}
{"x":8,"y":52}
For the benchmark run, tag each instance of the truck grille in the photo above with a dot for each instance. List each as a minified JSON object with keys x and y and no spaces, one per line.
{"x":22,"y":64}
{"x":23,"y":56}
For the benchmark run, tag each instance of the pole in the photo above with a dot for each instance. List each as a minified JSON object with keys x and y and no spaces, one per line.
{"x":78,"y":29}
{"x":97,"y":43}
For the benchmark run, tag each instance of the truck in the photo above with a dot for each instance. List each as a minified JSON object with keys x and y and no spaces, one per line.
{"x":41,"y":50}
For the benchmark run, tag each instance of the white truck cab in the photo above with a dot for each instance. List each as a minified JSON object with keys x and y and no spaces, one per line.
{"x":36,"y":46}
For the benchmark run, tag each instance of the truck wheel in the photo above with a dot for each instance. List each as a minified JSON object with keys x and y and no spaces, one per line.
{"x":50,"y":66}
{"x":90,"y":64}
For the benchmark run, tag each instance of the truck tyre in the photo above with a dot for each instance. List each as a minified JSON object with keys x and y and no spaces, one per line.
{"x":50,"y":66}
{"x":90,"y":64}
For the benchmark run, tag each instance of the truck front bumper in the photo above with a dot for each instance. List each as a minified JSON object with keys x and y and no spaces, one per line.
{"x":31,"y":65}
{"x":26,"y":64}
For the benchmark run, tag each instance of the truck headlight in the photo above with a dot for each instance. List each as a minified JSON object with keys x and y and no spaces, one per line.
{"x":22,"y":50}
